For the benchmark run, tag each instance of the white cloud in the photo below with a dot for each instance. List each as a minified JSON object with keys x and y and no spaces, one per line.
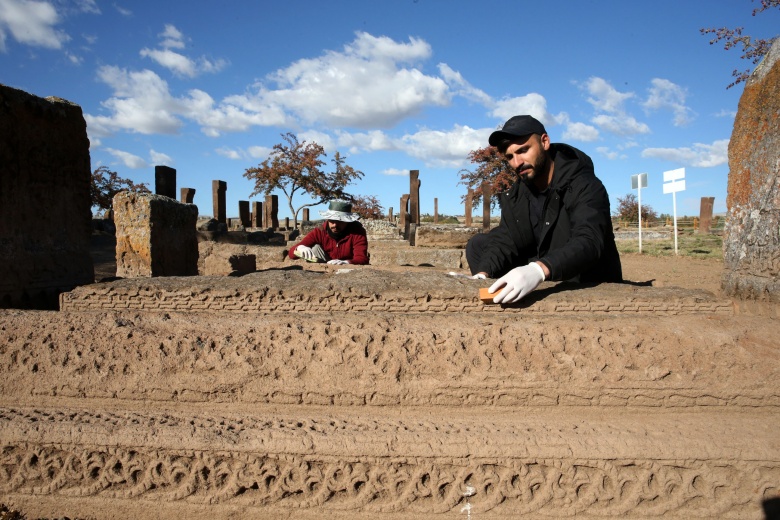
{"x":604,"y":97}
{"x":462,"y":87}
{"x":665,"y":95}
{"x":365,"y":86}
{"x":373,"y":141}
{"x":580,"y":132}
{"x":128,"y":159}
{"x":699,"y":155}
{"x":233,"y":114}
{"x":622,"y":124}
{"x":609,"y":154}
{"x":121,"y":10}
{"x":178,"y":63}
{"x":726,"y":113}
{"x":532,"y":104}
{"x":159,"y":158}
{"x":253,"y":152}
{"x":395,"y":171}
{"x":30,"y":23}
{"x":609,"y":105}
{"x":141,"y":103}
{"x":439,"y":149}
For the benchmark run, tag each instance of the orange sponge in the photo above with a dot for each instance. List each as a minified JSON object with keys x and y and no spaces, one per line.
{"x":486,"y":296}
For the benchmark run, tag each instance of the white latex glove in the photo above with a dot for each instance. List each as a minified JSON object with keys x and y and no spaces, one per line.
{"x":338,"y":262}
{"x":304,"y":252}
{"x":517,"y":283}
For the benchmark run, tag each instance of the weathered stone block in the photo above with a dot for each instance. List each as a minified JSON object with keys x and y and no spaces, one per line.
{"x":443,"y":237}
{"x":155,"y":236}
{"x":45,"y":217}
{"x":232,"y":264}
{"x":751,"y":247}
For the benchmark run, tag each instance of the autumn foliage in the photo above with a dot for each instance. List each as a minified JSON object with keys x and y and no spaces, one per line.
{"x":367,"y":207}
{"x":492,"y":168}
{"x":628,"y":209}
{"x":106,"y":183}
{"x":752,"y":49}
{"x":294,"y":167}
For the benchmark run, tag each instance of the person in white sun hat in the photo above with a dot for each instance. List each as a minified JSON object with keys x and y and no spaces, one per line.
{"x":340,"y":240}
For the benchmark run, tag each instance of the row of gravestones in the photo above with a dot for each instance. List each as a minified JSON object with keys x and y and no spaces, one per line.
{"x":45,"y":206}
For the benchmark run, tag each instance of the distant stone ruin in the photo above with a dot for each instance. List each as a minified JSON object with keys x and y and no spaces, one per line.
{"x":45,"y":217}
{"x":751,"y":248}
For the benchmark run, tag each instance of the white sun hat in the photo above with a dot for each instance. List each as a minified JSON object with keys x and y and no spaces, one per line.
{"x":340,"y":210}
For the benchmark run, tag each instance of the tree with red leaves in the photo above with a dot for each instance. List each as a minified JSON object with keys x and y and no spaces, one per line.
{"x":367,"y":207}
{"x":752,"y":49}
{"x":297,"y":166}
{"x":491,"y":167}
{"x":106,"y":183}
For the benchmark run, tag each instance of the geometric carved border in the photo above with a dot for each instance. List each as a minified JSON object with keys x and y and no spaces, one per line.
{"x":647,"y":488}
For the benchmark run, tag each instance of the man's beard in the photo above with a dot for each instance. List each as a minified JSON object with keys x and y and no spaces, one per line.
{"x":336,"y":236}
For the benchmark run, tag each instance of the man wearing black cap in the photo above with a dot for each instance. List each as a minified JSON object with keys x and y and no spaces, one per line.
{"x":555,"y":219}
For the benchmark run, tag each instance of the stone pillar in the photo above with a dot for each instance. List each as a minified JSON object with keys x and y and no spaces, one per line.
{"x":390,"y":214}
{"x":404,"y":212}
{"x":45,"y":213}
{"x":218,"y":189}
{"x":155,"y":236}
{"x":271,"y":211}
{"x":435,"y":210}
{"x":257,"y":214}
{"x":469,"y":205}
{"x":165,"y":181}
{"x":306,"y":214}
{"x":286,"y":223}
{"x":243,"y":213}
{"x":486,"y":196}
{"x":751,"y":244}
{"x":414,"y":196}
{"x":705,"y":214}
{"x":187,"y":195}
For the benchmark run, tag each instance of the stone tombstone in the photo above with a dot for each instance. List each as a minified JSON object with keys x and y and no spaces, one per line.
{"x":486,"y":196}
{"x":414,"y":196}
{"x":257,"y":214}
{"x":306,"y":214}
{"x":435,"y":210}
{"x":469,"y":205}
{"x":751,"y":245}
{"x":404,"y":212}
{"x":45,"y":205}
{"x":155,"y":236}
{"x":243,"y":213}
{"x":286,"y":223}
{"x":390,"y":214}
{"x":187,"y":195}
{"x":705,"y":214}
{"x":218,"y":191}
{"x":165,"y":181}
{"x":271,"y":211}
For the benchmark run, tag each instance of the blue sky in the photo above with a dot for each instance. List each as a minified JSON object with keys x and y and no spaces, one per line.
{"x":209,"y":87}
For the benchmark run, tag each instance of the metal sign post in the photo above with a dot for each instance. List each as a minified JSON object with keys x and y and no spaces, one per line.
{"x":638,"y":182}
{"x":674,"y":181}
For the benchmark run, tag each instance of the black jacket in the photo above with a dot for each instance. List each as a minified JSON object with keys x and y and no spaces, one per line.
{"x":577,"y":241}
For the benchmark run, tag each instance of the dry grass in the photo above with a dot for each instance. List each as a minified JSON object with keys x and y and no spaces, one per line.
{"x":688,"y":244}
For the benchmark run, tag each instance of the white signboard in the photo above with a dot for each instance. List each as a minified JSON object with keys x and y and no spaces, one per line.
{"x":674,"y":181}
{"x":638,"y":182}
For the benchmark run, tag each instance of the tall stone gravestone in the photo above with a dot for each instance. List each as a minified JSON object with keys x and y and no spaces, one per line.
{"x":45,"y":207}
{"x":155,"y":236}
{"x":751,"y":246}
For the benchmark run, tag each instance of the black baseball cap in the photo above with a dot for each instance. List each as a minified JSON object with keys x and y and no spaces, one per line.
{"x":517,"y":126}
